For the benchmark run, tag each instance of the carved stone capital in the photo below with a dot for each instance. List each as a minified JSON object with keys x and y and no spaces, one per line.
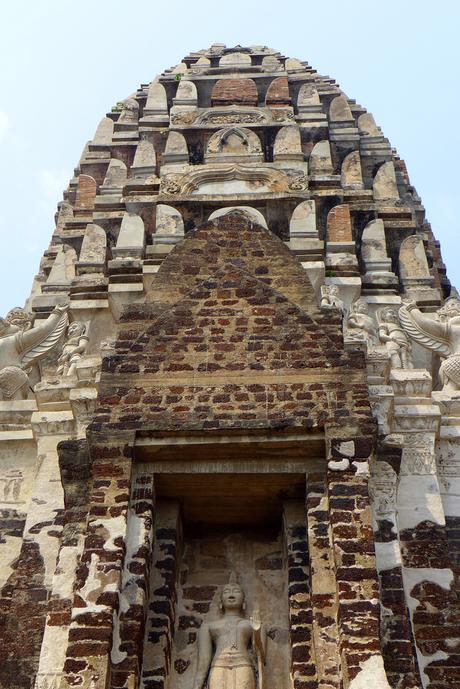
{"x":53,"y":423}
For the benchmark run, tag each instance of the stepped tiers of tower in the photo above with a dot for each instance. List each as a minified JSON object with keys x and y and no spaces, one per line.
{"x":230,"y":409}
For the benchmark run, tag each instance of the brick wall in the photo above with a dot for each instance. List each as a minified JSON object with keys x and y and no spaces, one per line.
{"x":339,"y":224}
{"x":239,"y":91}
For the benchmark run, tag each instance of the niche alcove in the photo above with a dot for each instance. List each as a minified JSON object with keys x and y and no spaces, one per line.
{"x":223,"y":516}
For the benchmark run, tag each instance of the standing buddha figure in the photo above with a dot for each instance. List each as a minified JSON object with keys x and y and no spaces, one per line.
{"x":230,"y":667}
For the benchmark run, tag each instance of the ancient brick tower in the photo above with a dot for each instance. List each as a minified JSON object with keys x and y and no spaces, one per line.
{"x":237,"y":373}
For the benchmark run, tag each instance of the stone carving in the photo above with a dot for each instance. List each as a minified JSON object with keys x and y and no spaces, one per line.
{"x":64,"y":214}
{"x":351,"y":175}
{"x":441,"y":334}
{"x":20,"y":318}
{"x":12,"y":482}
{"x":339,"y":110}
{"x":413,"y":264}
{"x":115,"y":177}
{"x":145,"y":157}
{"x":418,"y":461}
{"x":287,"y":144}
{"x":176,"y":150}
{"x":232,"y":635}
{"x":157,"y":102}
{"x":20,"y":349}
{"x":330,"y":297}
{"x":104,"y":132}
{"x":186,"y":93}
{"x":181,"y":69}
{"x":234,"y":144}
{"x":171,"y":184}
{"x":297,"y":181}
{"x":374,"y":243}
{"x":256,"y":179}
{"x":320,"y":159}
{"x":201,"y":65}
{"x":94,"y":247}
{"x":169,"y":222}
{"x":360,"y":326}
{"x":131,"y":238}
{"x":185,"y":117}
{"x":303,"y":220}
{"x":293,"y":65}
{"x":235,"y":60}
{"x":392,"y":334}
{"x":411,"y":383}
{"x":385,"y":187}
{"x":271,"y":64}
{"x":130,"y":112}
{"x":367,"y":126}
{"x":74,"y":347}
{"x":63,"y":269}
{"x":282,"y":114}
{"x":381,"y":398}
{"x":382,"y":488}
{"x":374,"y":254}
{"x":308,"y":95}
{"x":232,"y":117}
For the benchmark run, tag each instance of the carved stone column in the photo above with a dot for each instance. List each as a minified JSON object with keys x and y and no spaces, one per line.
{"x":129,"y":627}
{"x":323,"y":586}
{"x":303,"y":660}
{"x":420,"y":515}
{"x":99,"y":575}
{"x":160,"y":623}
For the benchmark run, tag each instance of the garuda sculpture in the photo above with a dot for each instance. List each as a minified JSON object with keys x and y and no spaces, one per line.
{"x":22,"y":345}
{"x":441,"y":334}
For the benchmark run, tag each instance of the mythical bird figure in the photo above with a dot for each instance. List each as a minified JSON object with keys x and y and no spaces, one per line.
{"x":440,"y":333}
{"x":22,"y":345}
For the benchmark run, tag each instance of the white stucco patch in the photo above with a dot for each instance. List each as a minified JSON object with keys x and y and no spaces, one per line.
{"x":412,"y":577}
{"x":115,"y":527}
{"x":372,"y":675}
{"x":362,"y":468}
{"x":135,"y":534}
{"x":423,"y":661}
{"x":10,"y":549}
{"x":52,"y":654}
{"x":95,"y":584}
{"x":116,"y":655}
{"x":64,"y":574}
{"x":388,"y":555}
{"x":418,"y":500}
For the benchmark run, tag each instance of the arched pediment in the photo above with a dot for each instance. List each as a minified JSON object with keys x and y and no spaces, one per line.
{"x":251,"y":213}
{"x":227,"y":180}
{"x":234,"y":143}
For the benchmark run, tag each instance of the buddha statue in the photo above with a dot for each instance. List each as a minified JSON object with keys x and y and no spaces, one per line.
{"x":231,"y":666}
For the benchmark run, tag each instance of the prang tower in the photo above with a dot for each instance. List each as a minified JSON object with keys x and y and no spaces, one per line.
{"x":230,"y":410}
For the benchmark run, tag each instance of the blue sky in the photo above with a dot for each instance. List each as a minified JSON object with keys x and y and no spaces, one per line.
{"x":63,"y":64}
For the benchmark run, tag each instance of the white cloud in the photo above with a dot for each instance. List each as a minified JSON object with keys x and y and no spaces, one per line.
{"x":4,"y":123}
